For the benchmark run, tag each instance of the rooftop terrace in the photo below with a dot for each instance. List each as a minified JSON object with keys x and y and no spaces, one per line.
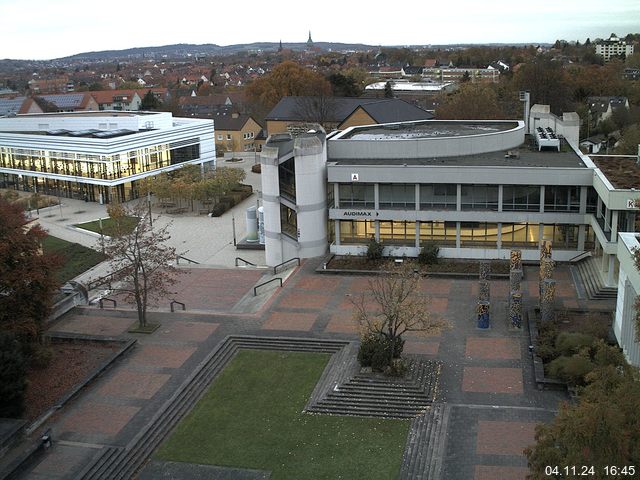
{"x":431,"y":129}
{"x":622,"y":171}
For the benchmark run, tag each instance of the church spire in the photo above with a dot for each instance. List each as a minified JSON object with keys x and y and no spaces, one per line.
{"x":280,"y":47}
{"x":309,"y":41}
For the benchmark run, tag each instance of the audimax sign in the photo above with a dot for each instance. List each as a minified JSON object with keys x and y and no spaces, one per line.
{"x":359,"y":213}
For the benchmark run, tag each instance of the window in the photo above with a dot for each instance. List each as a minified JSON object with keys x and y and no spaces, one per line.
{"x":356,"y":195}
{"x":287,"y":177}
{"x":479,"y":197}
{"x":520,"y":198}
{"x":478,"y":234}
{"x":520,"y":235}
{"x":440,"y":233}
{"x":220,"y":137}
{"x":561,"y":198}
{"x":397,"y":196}
{"x":357,"y":231}
{"x":228,"y":136}
{"x":592,"y":200}
{"x":563,"y":236}
{"x":288,"y":221}
{"x":438,"y":197}
{"x":398,"y":233}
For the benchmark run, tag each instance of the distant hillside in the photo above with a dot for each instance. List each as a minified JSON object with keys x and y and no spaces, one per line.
{"x":186,"y":49}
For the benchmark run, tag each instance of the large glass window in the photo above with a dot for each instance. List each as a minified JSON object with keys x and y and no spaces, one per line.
{"x":563,"y":236}
{"x":479,"y":197}
{"x":398,"y":196}
{"x":287,"y":178}
{"x":478,"y":234}
{"x":356,"y":231}
{"x":438,"y":196}
{"x":520,"y":198}
{"x":561,"y":198}
{"x":589,"y":238}
{"x":356,"y":195}
{"x":288,"y":221}
{"x":440,"y":233}
{"x":400,"y":233}
{"x":520,"y":235}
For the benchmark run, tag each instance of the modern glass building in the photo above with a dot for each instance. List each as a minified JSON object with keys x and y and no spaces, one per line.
{"x":477,"y":189}
{"x":98,"y":155}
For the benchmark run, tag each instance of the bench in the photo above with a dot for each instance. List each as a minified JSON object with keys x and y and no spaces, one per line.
{"x":177,"y":210}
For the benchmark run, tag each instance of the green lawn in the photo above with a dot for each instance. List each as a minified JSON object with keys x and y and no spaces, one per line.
{"x":251,"y":418}
{"x":108,"y":225}
{"x":76,"y":258}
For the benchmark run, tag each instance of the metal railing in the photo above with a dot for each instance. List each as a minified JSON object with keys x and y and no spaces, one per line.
{"x":255,"y":289}
{"x":174,"y":302}
{"x":294,"y":259}
{"x":106,"y":299}
{"x":580,"y":256}
{"x":178,"y":257}
{"x":246,"y":262}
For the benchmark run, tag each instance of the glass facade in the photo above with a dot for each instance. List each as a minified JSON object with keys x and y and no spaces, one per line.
{"x":479,"y":197}
{"x":357,"y":231}
{"x":563,"y":236}
{"x":525,"y":235}
{"x":398,"y":233}
{"x":442,"y":233}
{"x":287,"y":179}
{"x":356,"y":195}
{"x":103,"y":167}
{"x":561,"y":198}
{"x":397,"y":196}
{"x":288,"y":221}
{"x":520,"y":198}
{"x":438,"y":196}
{"x":478,"y":234}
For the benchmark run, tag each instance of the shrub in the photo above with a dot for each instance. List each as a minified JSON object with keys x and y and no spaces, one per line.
{"x":256,"y":168}
{"x":219,"y":208}
{"x":397,"y":368}
{"x":571,"y":369}
{"x":375,"y":351}
{"x":40,"y":356}
{"x":428,"y":254}
{"x":570,"y":343}
{"x":13,"y":372}
{"x":608,"y":354}
{"x":374,"y":249}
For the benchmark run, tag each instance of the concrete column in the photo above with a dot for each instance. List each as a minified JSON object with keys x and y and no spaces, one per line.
{"x":614,"y":225}
{"x":336,"y":195}
{"x":417,"y":243}
{"x":583,"y":200}
{"x":376,"y":196}
{"x":541,"y":198}
{"x":458,"y":242}
{"x":458,"y":199}
{"x":582,"y":236}
{"x":611,"y":281}
{"x":499,"y":239}
{"x":377,"y":226}
{"x":500,"y":196}
{"x":417,"y":196}
{"x":336,"y":228}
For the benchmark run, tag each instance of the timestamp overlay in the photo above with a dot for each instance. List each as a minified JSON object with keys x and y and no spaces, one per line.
{"x":608,"y":471}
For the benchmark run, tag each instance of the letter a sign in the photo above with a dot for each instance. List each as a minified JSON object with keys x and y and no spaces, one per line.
{"x":354,"y":177}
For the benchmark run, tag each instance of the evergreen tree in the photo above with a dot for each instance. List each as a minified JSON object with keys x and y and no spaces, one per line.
{"x":149,"y":102}
{"x":388,"y":90}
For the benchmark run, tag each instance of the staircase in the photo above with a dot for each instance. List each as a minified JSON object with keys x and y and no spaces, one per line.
{"x":424,"y":453}
{"x":376,"y":395}
{"x":594,"y":284}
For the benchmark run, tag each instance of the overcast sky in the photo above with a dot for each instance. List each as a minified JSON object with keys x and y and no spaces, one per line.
{"x":45,"y":29}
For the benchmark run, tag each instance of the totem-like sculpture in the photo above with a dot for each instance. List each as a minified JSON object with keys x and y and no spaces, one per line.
{"x":547,"y":299}
{"x":482,"y":310}
{"x":515,"y":310}
{"x":515,"y":294}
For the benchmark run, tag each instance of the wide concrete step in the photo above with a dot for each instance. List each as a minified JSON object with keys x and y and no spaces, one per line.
{"x":593,"y":280}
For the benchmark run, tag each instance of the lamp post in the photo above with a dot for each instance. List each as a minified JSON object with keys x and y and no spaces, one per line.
{"x":149,"y":206}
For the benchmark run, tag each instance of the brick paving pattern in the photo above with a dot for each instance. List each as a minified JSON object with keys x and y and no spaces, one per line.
{"x":504,"y":438}
{"x":492,"y":380}
{"x":493,"y":348}
{"x":486,"y":379}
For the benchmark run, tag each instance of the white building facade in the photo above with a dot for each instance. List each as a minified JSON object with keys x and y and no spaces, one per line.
{"x":628,"y":287}
{"x":99,"y":156}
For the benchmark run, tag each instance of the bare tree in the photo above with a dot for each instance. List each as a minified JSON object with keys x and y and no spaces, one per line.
{"x":141,"y":262}
{"x":320,"y":109}
{"x":394,"y":306}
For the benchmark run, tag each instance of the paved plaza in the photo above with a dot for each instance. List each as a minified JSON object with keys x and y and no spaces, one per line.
{"x":487,"y":378}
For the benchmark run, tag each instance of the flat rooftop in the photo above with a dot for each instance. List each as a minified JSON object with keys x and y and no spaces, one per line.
{"x":431,"y":129}
{"x":99,"y":113}
{"x":527,"y":155}
{"x":622,"y":171}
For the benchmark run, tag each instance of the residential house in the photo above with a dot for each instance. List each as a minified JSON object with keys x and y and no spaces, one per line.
{"x":601,"y":108}
{"x":123,"y":100}
{"x":70,"y":102}
{"x":236,"y":132}
{"x":339,"y":112}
